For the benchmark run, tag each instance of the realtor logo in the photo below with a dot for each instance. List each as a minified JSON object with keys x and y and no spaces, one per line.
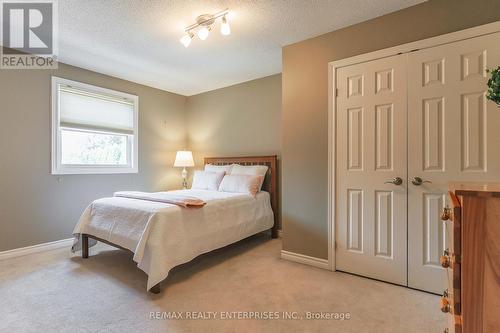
{"x":28,"y":34}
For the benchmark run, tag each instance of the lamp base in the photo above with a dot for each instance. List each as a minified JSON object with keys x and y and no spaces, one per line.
{"x":184,"y":179}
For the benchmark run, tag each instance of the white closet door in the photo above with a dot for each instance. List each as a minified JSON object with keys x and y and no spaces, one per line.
{"x":454,"y":135}
{"x":371,"y":150}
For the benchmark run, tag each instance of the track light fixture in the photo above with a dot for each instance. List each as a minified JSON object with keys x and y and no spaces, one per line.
{"x":203,"y":26}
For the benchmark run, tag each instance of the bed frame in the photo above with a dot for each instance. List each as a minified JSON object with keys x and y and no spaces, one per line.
{"x":270,"y":182}
{"x":270,"y":185}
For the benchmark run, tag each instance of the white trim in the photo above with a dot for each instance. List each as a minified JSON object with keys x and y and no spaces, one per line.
{"x":303,"y":259}
{"x":481,"y":30}
{"x":132,"y":147}
{"x":36,"y":248}
{"x":331,"y":166}
{"x":332,"y":87}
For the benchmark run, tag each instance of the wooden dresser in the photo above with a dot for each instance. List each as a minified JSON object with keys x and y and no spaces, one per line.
{"x":472,"y":259}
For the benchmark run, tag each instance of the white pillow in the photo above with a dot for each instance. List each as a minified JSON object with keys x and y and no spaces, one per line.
{"x":260,"y":170}
{"x":219,"y":168}
{"x":203,"y":180}
{"x":249,"y":184}
{"x":237,"y":169}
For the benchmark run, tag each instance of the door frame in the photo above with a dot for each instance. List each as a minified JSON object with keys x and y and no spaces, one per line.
{"x":481,"y":30}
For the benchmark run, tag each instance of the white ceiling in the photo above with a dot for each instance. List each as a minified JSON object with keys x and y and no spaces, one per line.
{"x":138,"y":40}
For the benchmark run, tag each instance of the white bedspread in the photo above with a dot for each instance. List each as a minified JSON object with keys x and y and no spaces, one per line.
{"x":163,"y":235}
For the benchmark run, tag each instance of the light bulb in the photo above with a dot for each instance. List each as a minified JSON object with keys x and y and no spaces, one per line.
{"x":186,"y":39}
{"x":225,"y":29}
{"x":203,"y":33}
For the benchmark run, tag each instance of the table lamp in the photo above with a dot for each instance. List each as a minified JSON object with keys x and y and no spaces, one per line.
{"x":184,"y":159}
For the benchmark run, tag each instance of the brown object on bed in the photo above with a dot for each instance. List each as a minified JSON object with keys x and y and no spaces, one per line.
{"x":270,"y":182}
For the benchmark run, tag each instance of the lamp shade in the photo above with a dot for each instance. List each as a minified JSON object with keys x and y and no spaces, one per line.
{"x":184,"y":158}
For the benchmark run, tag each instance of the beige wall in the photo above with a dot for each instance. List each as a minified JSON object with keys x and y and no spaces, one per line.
{"x":240,"y":120}
{"x":305,"y":104}
{"x":36,"y":207}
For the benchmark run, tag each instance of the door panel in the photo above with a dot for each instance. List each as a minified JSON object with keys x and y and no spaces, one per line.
{"x":371,"y":135}
{"x":452,"y":135}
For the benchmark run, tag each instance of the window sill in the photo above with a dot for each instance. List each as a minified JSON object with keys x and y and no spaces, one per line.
{"x":93,"y":170}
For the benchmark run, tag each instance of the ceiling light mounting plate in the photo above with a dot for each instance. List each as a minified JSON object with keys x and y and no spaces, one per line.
{"x":207,"y":20}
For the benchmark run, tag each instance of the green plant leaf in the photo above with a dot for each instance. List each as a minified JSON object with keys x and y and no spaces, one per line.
{"x":493,"y":93}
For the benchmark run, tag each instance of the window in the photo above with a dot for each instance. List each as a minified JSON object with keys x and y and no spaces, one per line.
{"x":94,"y":130}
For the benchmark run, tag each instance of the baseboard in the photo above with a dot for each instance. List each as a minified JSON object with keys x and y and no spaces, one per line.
{"x":36,"y":248}
{"x":303,"y":259}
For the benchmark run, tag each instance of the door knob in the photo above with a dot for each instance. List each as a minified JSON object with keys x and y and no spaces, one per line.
{"x":417,"y":181}
{"x":395,"y":181}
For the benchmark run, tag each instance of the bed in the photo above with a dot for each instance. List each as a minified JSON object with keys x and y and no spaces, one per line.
{"x":162,"y":236}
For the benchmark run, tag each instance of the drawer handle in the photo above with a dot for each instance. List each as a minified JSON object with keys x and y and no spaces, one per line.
{"x":446,"y":215}
{"x":444,"y":303}
{"x":445,"y":259}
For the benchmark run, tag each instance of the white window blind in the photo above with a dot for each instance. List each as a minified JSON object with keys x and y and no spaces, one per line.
{"x":87,"y":110}
{"x":94,"y":129}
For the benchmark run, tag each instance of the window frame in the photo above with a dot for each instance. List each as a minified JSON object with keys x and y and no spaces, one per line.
{"x":57,"y":168}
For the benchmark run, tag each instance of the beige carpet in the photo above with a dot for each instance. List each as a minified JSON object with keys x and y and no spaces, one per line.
{"x":58,"y":292}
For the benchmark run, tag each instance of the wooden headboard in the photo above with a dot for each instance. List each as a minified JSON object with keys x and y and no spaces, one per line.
{"x":270,"y":182}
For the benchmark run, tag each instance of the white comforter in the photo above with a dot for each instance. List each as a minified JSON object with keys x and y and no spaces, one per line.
{"x":162,"y":235}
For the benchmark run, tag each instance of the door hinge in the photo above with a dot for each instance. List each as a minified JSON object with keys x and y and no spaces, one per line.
{"x":337,"y":92}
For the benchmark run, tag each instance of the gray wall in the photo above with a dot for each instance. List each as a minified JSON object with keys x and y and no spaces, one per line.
{"x":305,"y":104}
{"x":36,"y":207}
{"x":244,"y":119}
{"x":240,"y":120}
